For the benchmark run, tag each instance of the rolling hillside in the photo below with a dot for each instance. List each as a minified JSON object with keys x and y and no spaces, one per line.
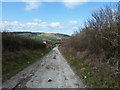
{"x":53,"y":37}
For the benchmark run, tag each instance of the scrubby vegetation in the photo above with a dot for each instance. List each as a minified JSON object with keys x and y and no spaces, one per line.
{"x":19,"y":52}
{"x":98,"y":45}
{"x":13,"y":43}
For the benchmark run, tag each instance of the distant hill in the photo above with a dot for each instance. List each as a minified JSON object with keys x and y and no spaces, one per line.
{"x":62,"y":35}
{"x":54,"y":37}
{"x":57,"y":35}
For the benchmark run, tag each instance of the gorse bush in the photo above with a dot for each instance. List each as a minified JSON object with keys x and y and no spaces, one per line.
{"x":13,"y":43}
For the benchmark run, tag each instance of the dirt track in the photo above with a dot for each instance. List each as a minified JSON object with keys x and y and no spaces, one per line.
{"x":51,"y":72}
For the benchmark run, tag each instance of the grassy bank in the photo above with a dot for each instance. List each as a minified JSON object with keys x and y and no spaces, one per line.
{"x":13,"y":63}
{"x":18,"y":53}
{"x":90,"y":77}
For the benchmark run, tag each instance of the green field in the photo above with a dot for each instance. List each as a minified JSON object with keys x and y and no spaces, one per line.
{"x":52,"y":38}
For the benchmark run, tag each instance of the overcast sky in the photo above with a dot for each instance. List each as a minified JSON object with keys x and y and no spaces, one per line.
{"x":51,"y":17}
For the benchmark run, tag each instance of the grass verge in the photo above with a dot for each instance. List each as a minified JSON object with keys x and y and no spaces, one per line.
{"x":89,"y":77}
{"x":13,"y":63}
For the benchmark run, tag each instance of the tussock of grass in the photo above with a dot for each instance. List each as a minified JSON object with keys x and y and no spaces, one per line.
{"x":90,"y":78}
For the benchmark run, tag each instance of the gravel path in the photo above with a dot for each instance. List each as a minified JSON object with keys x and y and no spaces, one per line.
{"x":51,"y":72}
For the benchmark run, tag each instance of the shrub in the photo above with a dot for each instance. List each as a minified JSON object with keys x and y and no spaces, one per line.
{"x":98,"y":43}
{"x":14,"y":43}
